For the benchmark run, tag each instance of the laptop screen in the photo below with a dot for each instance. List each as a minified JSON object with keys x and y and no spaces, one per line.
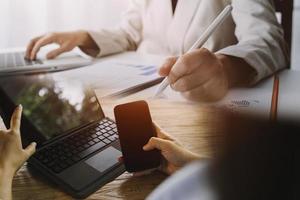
{"x":51,"y":107}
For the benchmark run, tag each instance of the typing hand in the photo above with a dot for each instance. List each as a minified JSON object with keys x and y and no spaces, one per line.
{"x":12,"y":155}
{"x":66,"y":40}
{"x":174,"y":156}
{"x":199,"y":75}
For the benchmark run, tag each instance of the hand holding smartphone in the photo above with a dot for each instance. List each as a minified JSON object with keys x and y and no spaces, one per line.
{"x":135,"y":128}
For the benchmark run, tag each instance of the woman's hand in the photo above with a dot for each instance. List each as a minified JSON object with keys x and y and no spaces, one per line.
{"x":12,"y":155}
{"x":174,"y":156}
{"x":199,"y":75}
{"x":66,"y":40}
{"x":204,"y":76}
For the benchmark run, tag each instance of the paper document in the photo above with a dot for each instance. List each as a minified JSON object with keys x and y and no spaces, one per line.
{"x":116,"y":73}
{"x":168,"y":94}
{"x":289,"y":95}
{"x":256,"y":100}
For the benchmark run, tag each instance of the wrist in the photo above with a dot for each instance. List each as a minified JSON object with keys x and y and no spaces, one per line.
{"x":6,"y":174}
{"x":83,"y":37}
{"x":237,"y":71}
{"x":87,"y":44}
{"x":227,"y":69}
{"x":6,"y":179}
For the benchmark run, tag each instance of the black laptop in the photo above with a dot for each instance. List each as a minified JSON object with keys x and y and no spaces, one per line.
{"x":78,"y":146}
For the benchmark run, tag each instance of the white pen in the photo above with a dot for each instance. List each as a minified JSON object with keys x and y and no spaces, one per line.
{"x":200,"y":42}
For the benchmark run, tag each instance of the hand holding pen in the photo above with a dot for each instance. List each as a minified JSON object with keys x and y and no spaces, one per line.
{"x":198,"y":74}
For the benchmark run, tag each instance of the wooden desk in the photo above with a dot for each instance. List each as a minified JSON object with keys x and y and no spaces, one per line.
{"x":190,"y":123}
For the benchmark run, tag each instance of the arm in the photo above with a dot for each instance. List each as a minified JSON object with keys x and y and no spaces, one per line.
{"x":12,"y":155}
{"x":127,"y":36}
{"x":237,"y":70}
{"x":202,"y":75}
{"x":6,"y":185}
{"x":95,"y":43}
{"x":260,"y":38}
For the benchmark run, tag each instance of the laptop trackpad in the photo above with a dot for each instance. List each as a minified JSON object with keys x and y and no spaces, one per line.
{"x":84,"y":173}
{"x":105,"y":159}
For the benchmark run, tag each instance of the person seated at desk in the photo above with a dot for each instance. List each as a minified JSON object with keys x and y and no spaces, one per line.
{"x":255,"y":160}
{"x":248,"y":47}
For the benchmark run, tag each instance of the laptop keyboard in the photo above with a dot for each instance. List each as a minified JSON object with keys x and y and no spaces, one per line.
{"x":8,"y":60}
{"x":71,"y":150}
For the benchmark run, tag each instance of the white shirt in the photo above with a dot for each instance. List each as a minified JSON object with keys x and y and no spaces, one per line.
{"x":251,"y":33}
{"x":190,"y":183}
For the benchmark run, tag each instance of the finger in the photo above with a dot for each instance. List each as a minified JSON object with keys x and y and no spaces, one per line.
{"x":194,"y":80}
{"x":161,"y":133}
{"x":53,"y":54}
{"x":30,"y":47}
{"x":188,"y":63}
{"x":165,"y":69}
{"x":40,"y":43}
{"x":30,"y":149}
{"x":15,"y":121}
{"x":143,"y":173}
{"x":121,"y":159}
{"x":156,"y":143}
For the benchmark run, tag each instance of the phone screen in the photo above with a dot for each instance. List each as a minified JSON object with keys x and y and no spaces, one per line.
{"x":135,"y":128}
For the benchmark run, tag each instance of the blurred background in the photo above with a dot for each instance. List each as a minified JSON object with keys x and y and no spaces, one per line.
{"x":21,"y":20}
{"x":296,"y":35}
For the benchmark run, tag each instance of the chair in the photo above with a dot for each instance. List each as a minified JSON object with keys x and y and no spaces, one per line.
{"x":285,"y":7}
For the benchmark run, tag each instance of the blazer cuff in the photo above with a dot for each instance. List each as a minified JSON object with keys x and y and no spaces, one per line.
{"x":104,"y":43}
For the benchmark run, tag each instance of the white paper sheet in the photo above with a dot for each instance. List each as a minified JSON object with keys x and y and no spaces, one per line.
{"x":115,"y":73}
{"x":256,"y":100}
{"x":289,"y":95}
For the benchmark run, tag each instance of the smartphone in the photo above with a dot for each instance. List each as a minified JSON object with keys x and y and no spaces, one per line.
{"x":135,"y":128}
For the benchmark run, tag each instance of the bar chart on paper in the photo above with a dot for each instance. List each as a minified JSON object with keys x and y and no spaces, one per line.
{"x":117,"y":73}
{"x":145,"y":70}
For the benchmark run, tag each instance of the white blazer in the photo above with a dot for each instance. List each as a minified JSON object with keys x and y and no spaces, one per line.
{"x":251,"y":33}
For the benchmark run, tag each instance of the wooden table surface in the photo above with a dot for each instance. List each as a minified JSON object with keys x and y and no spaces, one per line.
{"x":189,"y":123}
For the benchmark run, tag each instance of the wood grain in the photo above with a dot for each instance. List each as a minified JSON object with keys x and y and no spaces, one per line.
{"x":275,"y":96}
{"x":191,"y":124}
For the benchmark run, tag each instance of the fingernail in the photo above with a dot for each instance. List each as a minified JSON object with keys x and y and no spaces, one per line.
{"x":20,"y":106}
{"x":34,"y":143}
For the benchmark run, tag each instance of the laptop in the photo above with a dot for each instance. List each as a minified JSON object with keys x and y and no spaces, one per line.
{"x":14,"y":62}
{"x":77,"y":145}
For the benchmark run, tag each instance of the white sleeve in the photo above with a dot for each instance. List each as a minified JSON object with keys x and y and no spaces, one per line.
{"x":260,"y":37}
{"x":125,"y":37}
{"x":192,"y":183}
